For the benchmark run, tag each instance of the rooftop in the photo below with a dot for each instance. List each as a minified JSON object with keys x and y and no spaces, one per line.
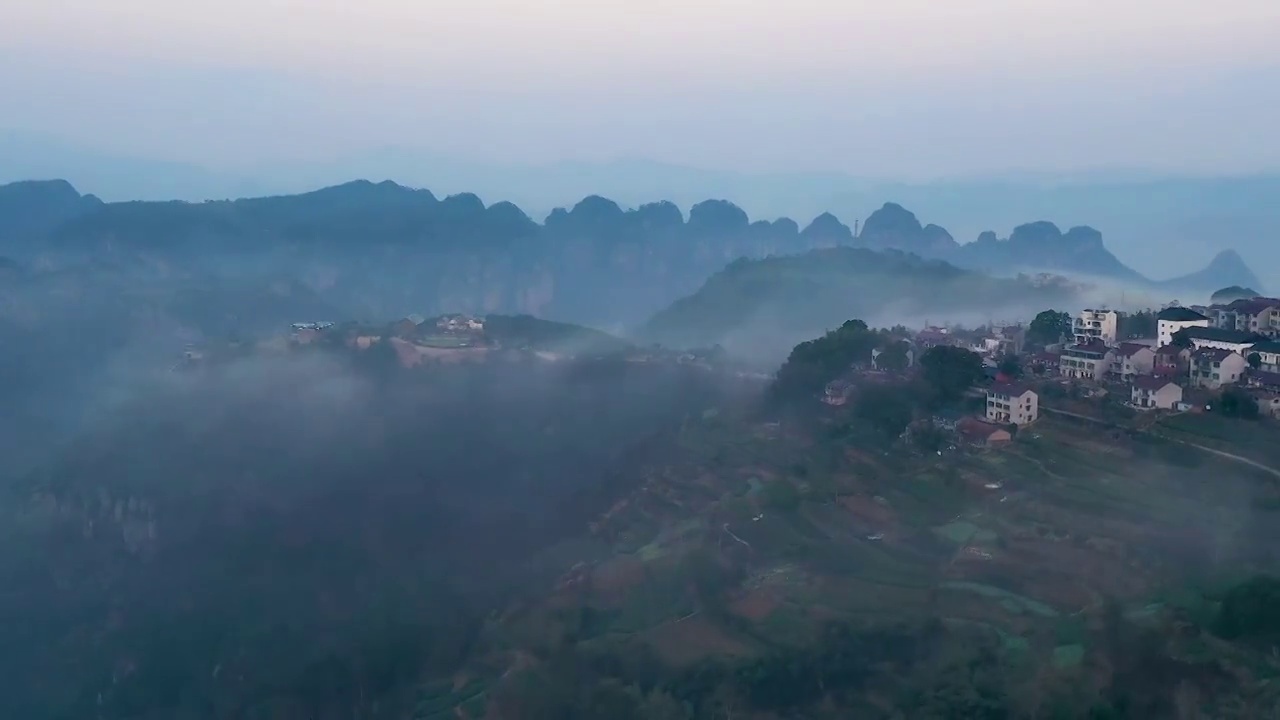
{"x":1220,"y":335}
{"x":1151,"y":382}
{"x":1214,"y":354}
{"x":1268,"y":346}
{"x":1008,"y":388}
{"x":1252,"y":306}
{"x":1096,"y":347}
{"x":1179,"y":314}
{"x":1264,"y":378}
{"x":1130,"y":349}
{"x":975,"y":429}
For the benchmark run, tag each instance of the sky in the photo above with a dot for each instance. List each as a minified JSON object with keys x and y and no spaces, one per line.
{"x":908,"y":89}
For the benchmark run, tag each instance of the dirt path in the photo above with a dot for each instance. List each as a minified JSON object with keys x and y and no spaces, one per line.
{"x":735,"y":537}
{"x":1231,"y":456}
{"x":1220,"y":453}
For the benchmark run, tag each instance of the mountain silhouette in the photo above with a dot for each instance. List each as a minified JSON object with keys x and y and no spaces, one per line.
{"x":383,"y":248}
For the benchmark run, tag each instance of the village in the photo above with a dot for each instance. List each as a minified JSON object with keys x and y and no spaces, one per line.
{"x":1194,"y":359}
{"x":416,"y":341}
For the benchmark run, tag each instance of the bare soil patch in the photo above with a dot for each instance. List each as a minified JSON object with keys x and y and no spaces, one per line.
{"x":611,"y":580}
{"x":688,"y":641}
{"x":757,"y":604}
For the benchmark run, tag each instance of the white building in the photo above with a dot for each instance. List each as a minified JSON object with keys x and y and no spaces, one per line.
{"x":1210,"y":337}
{"x":1269,"y":354}
{"x":1214,"y":367}
{"x":1257,"y":315}
{"x":1132,"y":359}
{"x":1091,"y":325}
{"x":1172,"y":319}
{"x":1155,"y":393}
{"x":1086,"y":362}
{"x":1009,"y":403}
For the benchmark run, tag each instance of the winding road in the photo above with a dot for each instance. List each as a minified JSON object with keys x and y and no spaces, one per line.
{"x":1213,"y":451}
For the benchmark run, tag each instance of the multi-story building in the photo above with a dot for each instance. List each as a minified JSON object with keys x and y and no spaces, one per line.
{"x":1101,"y":325}
{"x":1172,"y":319}
{"x":1133,"y":359}
{"x":1254,"y":315}
{"x":1089,"y":361}
{"x":1269,"y":353}
{"x":1011,"y":403}
{"x":1211,"y":337}
{"x":1171,"y":360}
{"x":1214,"y":367}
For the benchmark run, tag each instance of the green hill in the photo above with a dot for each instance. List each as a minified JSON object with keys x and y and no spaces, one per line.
{"x":762,"y":308}
{"x":1233,"y":293}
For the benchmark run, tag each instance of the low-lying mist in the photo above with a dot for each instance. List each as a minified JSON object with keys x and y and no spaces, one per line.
{"x":311,"y":494}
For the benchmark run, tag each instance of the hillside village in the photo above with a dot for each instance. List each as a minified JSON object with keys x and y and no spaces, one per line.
{"x":416,"y":341}
{"x":1222,"y":358}
{"x":1197,"y":359}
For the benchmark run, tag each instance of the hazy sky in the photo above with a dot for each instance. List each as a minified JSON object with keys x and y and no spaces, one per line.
{"x":899,"y":88}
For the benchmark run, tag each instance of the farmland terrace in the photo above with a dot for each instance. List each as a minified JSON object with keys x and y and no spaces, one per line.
{"x":741,"y":547}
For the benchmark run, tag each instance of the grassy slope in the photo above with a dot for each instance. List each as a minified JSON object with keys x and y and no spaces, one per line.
{"x":780,"y":300}
{"x":1079,"y":518}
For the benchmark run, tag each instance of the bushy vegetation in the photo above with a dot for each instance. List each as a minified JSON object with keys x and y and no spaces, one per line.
{"x":1250,"y":611}
{"x":1049,"y":327}
{"x":814,"y":363}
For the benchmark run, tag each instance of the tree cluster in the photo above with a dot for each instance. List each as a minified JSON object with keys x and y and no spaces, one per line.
{"x":1234,"y":402}
{"x":814,"y":363}
{"x":1049,"y":327}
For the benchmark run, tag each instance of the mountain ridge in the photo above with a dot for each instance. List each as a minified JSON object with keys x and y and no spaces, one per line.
{"x":652,"y":253}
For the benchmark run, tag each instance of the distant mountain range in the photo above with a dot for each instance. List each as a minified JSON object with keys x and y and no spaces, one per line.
{"x":1188,"y":218}
{"x":1042,"y":247}
{"x":376,"y":250}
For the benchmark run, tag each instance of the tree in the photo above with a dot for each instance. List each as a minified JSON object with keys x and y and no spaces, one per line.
{"x":893,"y":358}
{"x":1251,"y":609}
{"x":815,"y":363}
{"x":1011,"y":365}
{"x":1049,"y":327}
{"x":949,"y":372}
{"x":1236,"y":403}
{"x":887,"y":408}
{"x":1181,"y":339}
{"x":1137,"y":325}
{"x":1255,"y":360}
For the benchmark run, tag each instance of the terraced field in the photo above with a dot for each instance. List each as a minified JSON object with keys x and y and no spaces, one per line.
{"x":1028,"y":541}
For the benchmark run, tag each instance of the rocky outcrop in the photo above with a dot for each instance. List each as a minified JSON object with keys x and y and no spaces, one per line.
{"x":895,"y":227}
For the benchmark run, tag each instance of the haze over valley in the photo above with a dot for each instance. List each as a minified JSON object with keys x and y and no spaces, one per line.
{"x":591,"y":361}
